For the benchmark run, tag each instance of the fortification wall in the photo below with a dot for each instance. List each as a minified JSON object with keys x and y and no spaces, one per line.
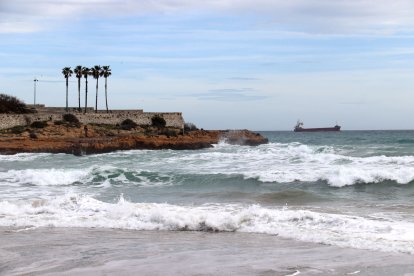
{"x":173,"y":119}
{"x":141,"y":118}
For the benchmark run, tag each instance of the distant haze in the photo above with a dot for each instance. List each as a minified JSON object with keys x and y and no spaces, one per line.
{"x":225,"y":64}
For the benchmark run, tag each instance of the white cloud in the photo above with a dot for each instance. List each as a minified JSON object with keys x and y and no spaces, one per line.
{"x":18,"y":27}
{"x":308,"y":16}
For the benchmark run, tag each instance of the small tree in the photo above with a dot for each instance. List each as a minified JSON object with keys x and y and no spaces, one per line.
{"x":86,"y":72}
{"x":39,"y":124}
{"x":190,"y":127}
{"x":70,"y":118}
{"x":78,"y":72}
{"x":106,"y":72}
{"x":67,"y":72}
{"x":10,"y":104}
{"x":96,"y":73}
{"x":158,"y":121}
{"x":128,"y":124}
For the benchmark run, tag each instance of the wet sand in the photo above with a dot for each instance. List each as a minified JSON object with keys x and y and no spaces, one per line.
{"x":78,"y":251}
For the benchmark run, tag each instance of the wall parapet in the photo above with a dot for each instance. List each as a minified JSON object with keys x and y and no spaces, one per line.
{"x":172,"y":119}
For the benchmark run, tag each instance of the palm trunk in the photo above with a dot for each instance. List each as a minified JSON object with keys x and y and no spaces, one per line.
{"x":96,"y":102}
{"x":86,"y":94}
{"x":79,"y":109}
{"x":106,"y":95}
{"x":67,"y":87}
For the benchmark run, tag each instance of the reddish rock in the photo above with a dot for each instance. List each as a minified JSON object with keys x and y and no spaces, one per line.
{"x":61,"y":139}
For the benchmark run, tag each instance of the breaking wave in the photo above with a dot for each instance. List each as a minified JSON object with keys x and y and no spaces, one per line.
{"x":44,"y":177}
{"x":297,"y":162}
{"x":274,"y":162}
{"x":105,"y":176}
{"x":73,"y":210}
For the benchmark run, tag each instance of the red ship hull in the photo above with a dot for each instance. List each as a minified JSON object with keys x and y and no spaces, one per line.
{"x":300,"y":129}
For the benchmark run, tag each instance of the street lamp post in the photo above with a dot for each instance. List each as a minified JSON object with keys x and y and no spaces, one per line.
{"x":34,"y":96}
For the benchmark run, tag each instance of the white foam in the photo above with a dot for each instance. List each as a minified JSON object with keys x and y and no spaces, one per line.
{"x":274,"y":162}
{"x":296,"y":162}
{"x":44,"y":177}
{"x":101,"y":176}
{"x":74,"y":210}
{"x":23,"y":156}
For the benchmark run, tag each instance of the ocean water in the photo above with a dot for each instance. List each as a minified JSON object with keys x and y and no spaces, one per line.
{"x":310,"y":203}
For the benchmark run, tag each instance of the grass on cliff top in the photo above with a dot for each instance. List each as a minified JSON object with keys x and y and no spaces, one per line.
{"x":105,"y":126}
{"x":13,"y":130}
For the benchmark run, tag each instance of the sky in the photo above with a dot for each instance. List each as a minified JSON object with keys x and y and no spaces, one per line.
{"x":225,"y":64}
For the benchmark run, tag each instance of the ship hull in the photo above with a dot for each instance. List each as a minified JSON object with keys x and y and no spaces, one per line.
{"x":317,"y":129}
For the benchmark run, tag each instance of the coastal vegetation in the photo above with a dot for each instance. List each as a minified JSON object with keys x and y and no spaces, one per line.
{"x":67,"y":72}
{"x":86,"y":72}
{"x":10,"y":104}
{"x":158,"y":121}
{"x":55,"y":130}
{"x":96,"y":72}
{"x":71,"y":120}
{"x":106,"y":72}
{"x":190,"y":127}
{"x":128,"y":124}
{"x":38,"y":124}
{"x":78,"y":74}
{"x":16,"y":130}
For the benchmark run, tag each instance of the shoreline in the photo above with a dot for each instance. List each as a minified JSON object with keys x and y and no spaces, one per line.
{"x":72,"y":140}
{"x":86,"y":251}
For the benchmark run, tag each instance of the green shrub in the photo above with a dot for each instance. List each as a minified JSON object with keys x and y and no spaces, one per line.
{"x":14,"y":130}
{"x":10,"y":104}
{"x":59,"y":122}
{"x":128,"y":124}
{"x":190,"y":127}
{"x":106,"y":126}
{"x":158,"y":121}
{"x":39,"y":124}
{"x":70,"y":118}
{"x":169,"y":132}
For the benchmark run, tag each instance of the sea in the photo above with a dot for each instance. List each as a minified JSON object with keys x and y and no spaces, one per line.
{"x":327,"y":203}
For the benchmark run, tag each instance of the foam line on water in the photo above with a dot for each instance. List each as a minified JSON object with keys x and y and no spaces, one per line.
{"x":98,"y":175}
{"x":44,"y":177}
{"x":23,"y":156}
{"x":297,"y":162}
{"x":274,"y":162}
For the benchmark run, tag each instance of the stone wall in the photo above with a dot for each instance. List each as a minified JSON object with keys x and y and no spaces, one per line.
{"x":174,"y":119}
{"x":141,"y":118}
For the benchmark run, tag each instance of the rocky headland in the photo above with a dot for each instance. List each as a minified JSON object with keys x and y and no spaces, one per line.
{"x":91,"y":139}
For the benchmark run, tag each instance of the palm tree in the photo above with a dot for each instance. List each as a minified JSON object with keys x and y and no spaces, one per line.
{"x":67,"y":72}
{"x":96,"y":72}
{"x":86,"y":72}
{"x":106,"y":72}
{"x":78,"y":72}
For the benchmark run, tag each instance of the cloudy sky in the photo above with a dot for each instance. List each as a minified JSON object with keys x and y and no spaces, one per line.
{"x":258,"y":64}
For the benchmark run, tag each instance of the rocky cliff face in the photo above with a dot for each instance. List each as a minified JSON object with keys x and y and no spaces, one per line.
{"x":93,"y":139}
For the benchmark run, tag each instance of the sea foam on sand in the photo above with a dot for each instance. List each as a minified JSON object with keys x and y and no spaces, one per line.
{"x":79,"y":251}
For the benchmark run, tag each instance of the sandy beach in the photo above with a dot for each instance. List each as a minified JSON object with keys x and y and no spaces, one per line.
{"x":63,"y":251}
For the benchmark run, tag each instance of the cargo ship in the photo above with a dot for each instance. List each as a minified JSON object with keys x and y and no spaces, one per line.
{"x":299,"y":128}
